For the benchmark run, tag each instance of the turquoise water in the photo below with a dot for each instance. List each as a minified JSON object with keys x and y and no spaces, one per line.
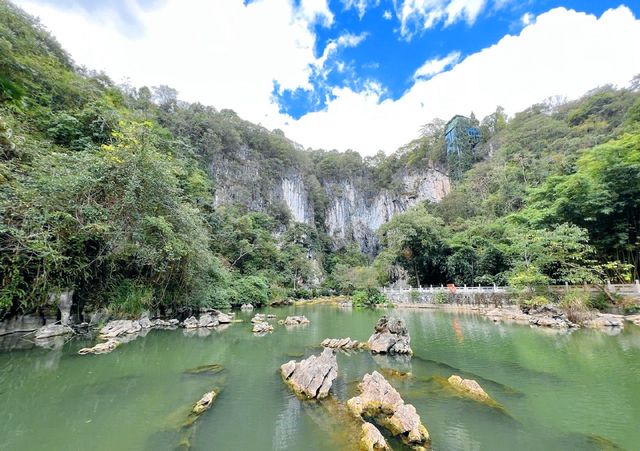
{"x":560,"y":391}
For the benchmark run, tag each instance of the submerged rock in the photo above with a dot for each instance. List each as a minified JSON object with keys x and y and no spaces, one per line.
{"x":469,"y":387}
{"x":212,"y":368}
{"x":341,"y":343}
{"x":52,"y":330}
{"x":372,"y":439}
{"x":120,"y":327}
{"x":380,"y":401}
{"x":312,"y":378}
{"x":294,"y":321}
{"x":391,"y":337}
{"x":395,"y":374}
{"x":204,"y":403}
{"x":261,"y":327}
{"x":101,"y":348}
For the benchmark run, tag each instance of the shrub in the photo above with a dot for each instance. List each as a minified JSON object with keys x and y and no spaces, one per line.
{"x":250,"y":290}
{"x":368,"y":298}
{"x":599,"y":302}
{"x":533,"y":303}
{"x":575,"y":304}
{"x":440,"y":297}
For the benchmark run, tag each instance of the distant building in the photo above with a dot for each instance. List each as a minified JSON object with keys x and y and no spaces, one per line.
{"x":460,"y":134}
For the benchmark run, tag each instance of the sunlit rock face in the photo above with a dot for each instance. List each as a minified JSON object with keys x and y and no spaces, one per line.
{"x":296,"y":199}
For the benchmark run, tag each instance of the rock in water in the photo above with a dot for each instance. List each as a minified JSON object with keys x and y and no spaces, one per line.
{"x":469,"y":387}
{"x":204,"y":403}
{"x":52,"y":330}
{"x":372,"y":439}
{"x":259,"y":318}
{"x":380,"y":401}
{"x":246,"y":307}
{"x":208,"y":320}
{"x":223,"y":318}
{"x":144,"y":321}
{"x":312,"y":377}
{"x":190,"y":323}
{"x":261,"y":327}
{"x":341,"y":343}
{"x":390,"y":337}
{"x":294,"y":321}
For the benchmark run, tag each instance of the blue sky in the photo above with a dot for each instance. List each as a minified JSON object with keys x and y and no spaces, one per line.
{"x":360,"y":74}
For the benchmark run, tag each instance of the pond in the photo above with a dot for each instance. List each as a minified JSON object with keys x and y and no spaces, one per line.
{"x":560,"y":391}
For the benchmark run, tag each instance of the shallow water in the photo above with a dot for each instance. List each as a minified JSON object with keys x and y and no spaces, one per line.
{"x":560,"y":391}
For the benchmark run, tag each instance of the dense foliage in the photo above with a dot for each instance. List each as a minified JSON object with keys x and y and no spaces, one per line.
{"x":112,"y":191}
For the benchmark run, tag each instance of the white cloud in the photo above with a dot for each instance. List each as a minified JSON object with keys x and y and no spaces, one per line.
{"x":344,"y":41}
{"x":418,"y":15}
{"x":387,"y":14}
{"x":227,"y":54}
{"x":435,"y":66}
{"x":527,"y":18}
{"x":360,"y":5}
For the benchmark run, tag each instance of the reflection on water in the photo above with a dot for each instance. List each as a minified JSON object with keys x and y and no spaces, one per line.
{"x":560,"y":391}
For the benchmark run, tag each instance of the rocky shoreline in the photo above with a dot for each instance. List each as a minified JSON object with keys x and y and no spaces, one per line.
{"x":545,"y":316}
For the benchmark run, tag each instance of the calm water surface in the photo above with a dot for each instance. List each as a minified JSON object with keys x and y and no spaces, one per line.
{"x":560,"y":391}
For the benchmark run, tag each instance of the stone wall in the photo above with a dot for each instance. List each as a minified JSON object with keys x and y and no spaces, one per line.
{"x":417,"y":297}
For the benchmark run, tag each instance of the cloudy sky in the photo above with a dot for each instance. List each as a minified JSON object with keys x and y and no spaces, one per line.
{"x":358,"y":74}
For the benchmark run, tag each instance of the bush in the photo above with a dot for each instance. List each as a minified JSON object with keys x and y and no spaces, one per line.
{"x":440,"y":297}
{"x":533,"y":303}
{"x":599,"y":302}
{"x":250,"y":290}
{"x":575,"y":304}
{"x":368,"y":298}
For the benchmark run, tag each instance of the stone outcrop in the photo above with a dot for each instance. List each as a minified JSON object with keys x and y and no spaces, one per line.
{"x":372,"y":439}
{"x":602,"y":320}
{"x":120,"y":327}
{"x":259,"y":318}
{"x":390,"y":337}
{"x":635,"y":319}
{"x":342,"y":343}
{"x":208,"y":320}
{"x":294,"y":321}
{"x":380,"y":401}
{"x":52,"y":330}
{"x":246,"y":307}
{"x":144,"y":321}
{"x":312,"y":378}
{"x":190,"y":323}
{"x":164,"y":324}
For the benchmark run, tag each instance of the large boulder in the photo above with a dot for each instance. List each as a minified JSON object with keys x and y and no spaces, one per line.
{"x":246,"y":307}
{"x":312,"y":378}
{"x":223,"y":318}
{"x":372,"y":439}
{"x":259,"y":318}
{"x":52,"y":330}
{"x":380,"y":401}
{"x":390,"y":337}
{"x":190,"y":323}
{"x":144,"y":321}
{"x":602,"y":320}
{"x":120,"y":327}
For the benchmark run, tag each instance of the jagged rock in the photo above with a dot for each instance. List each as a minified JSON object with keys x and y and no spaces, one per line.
{"x":101,"y":348}
{"x":294,"y":321}
{"x":261,"y":328}
{"x":65,"y":300}
{"x":162,"y":324}
{"x":259,"y":318}
{"x":144,"y":321}
{"x":204,"y":403}
{"x":468,"y":387}
{"x":390,"y":336}
{"x":380,"y":401}
{"x":372,"y":439}
{"x":208,"y":320}
{"x":120,"y":327}
{"x":246,"y":307}
{"x":190,"y":323}
{"x":341,"y":343}
{"x":312,"y":377}
{"x":52,"y":330}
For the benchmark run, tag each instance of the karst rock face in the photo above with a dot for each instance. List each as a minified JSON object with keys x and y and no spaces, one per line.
{"x":390,"y":337}
{"x":357,"y":206}
{"x":312,"y":378}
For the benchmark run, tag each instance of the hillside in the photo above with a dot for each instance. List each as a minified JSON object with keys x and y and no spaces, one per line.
{"x":138,"y":201}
